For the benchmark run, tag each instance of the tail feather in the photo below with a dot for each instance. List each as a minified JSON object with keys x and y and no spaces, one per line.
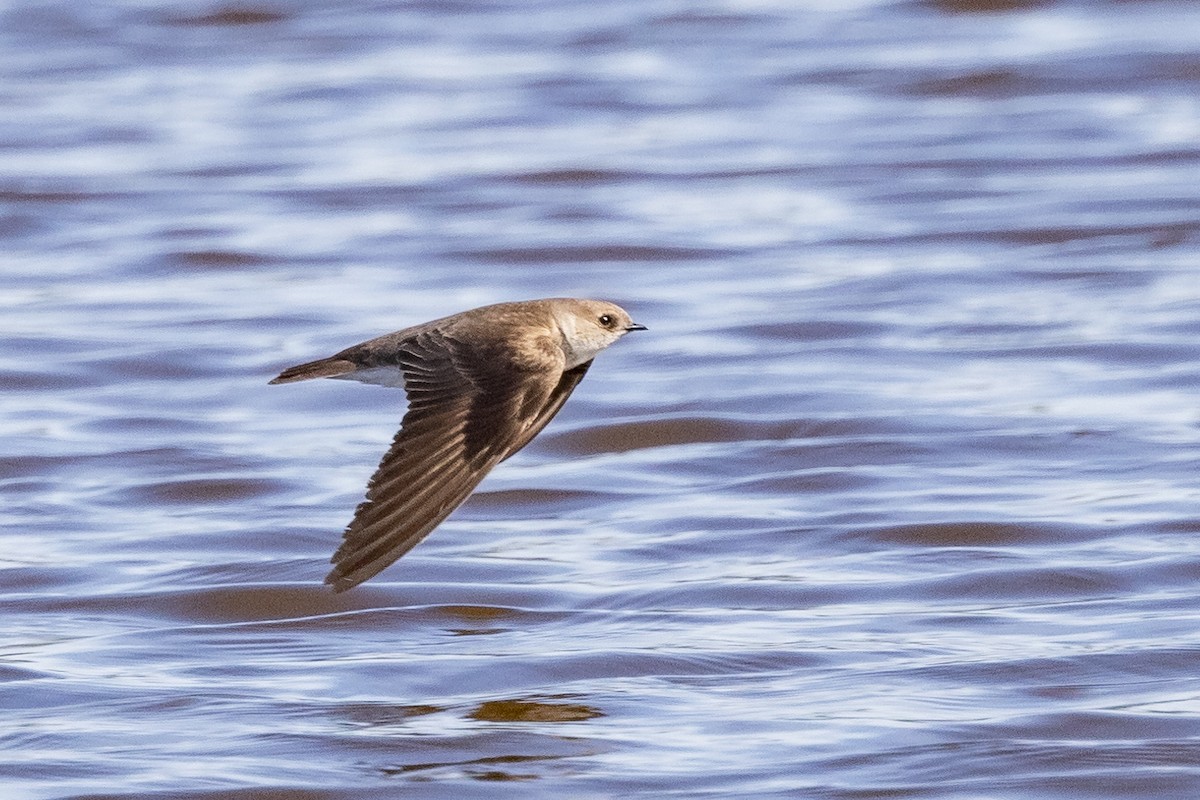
{"x":324,"y":368}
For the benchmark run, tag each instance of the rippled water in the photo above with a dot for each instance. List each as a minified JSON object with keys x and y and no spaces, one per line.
{"x":897,"y":498}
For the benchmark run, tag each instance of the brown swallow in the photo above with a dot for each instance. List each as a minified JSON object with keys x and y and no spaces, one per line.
{"x":480,"y":386}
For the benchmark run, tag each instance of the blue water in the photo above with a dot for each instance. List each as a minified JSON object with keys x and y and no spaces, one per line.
{"x":897,"y":498}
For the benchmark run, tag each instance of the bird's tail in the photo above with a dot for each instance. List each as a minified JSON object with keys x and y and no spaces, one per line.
{"x":324,"y":368}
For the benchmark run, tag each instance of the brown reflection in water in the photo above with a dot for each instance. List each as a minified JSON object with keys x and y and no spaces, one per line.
{"x":533,"y":711}
{"x":483,"y":615}
{"x":375,"y":716}
{"x":960,"y":6}
{"x":231,"y":15}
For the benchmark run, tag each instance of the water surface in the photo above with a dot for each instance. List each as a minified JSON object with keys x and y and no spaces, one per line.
{"x":896,"y":499}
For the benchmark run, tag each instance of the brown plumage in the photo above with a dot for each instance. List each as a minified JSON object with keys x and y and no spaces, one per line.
{"x":480,"y":386}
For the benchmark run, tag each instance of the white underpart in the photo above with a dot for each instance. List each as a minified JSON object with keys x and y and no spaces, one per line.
{"x":582,"y":339}
{"x":381,"y":376}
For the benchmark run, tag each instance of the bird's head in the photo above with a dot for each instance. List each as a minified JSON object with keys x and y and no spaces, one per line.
{"x":589,"y":326}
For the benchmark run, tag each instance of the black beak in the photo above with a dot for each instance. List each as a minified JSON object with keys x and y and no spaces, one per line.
{"x":633,"y":326}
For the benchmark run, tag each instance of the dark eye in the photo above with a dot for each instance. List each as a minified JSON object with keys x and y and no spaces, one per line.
{"x":606,"y":320}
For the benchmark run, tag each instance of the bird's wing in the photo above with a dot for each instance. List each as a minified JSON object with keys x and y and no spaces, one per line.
{"x":465,"y":415}
{"x":570,"y":379}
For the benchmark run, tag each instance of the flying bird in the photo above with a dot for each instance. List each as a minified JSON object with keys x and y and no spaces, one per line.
{"x":480,"y":385}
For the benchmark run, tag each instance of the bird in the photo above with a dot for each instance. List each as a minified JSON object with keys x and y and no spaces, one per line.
{"x":480,"y":385}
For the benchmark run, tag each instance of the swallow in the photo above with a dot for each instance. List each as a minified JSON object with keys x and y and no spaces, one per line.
{"x":480,"y":385}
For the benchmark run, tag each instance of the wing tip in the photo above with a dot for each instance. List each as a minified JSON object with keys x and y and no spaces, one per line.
{"x":339,"y":583}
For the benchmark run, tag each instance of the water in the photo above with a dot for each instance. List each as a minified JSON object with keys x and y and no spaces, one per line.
{"x":897,"y":498}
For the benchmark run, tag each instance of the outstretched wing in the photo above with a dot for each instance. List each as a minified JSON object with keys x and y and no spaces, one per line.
{"x":466,"y":414}
{"x":570,"y":379}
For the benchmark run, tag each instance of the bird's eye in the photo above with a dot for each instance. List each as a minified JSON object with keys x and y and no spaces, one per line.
{"x":606,"y":320}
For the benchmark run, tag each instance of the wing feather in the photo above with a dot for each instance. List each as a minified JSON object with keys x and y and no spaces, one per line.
{"x":467,"y":411}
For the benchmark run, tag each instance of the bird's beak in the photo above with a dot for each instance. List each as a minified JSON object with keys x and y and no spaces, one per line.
{"x":633,"y":326}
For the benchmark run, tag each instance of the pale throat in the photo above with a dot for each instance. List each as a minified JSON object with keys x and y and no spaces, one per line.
{"x":578,"y":347}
